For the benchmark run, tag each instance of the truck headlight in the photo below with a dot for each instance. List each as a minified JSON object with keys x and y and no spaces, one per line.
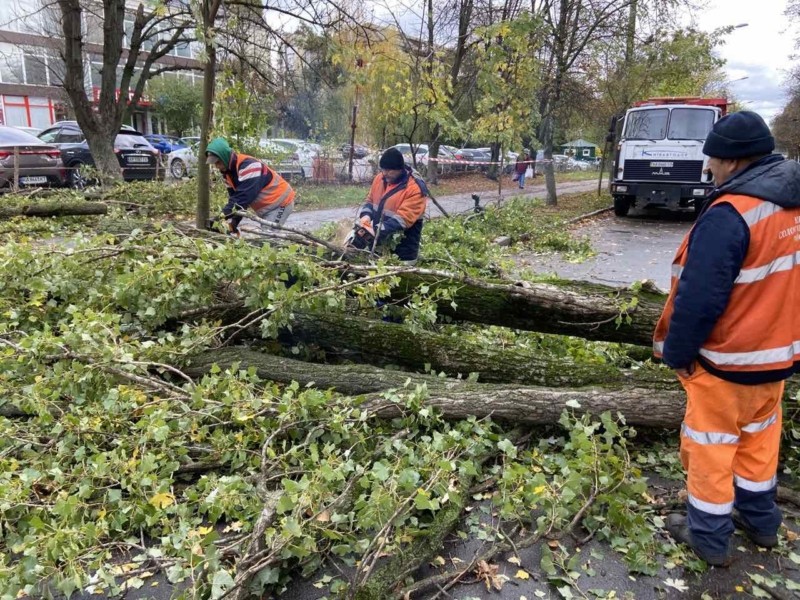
{"x":700,"y":192}
{"x":620,"y":188}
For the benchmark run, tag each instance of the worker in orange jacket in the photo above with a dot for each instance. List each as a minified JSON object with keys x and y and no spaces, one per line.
{"x":731,"y":331}
{"x":394,"y":207}
{"x":251,"y":184}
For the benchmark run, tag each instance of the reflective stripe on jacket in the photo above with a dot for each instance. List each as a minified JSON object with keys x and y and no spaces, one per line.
{"x":253,"y":184}
{"x":759,"y":329}
{"x":397,"y":207}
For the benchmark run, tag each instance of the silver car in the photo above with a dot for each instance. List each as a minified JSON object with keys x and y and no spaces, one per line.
{"x":39,"y":163}
{"x":183,"y":162}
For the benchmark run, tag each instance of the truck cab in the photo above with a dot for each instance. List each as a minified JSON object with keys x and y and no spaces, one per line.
{"x":659,"y":160}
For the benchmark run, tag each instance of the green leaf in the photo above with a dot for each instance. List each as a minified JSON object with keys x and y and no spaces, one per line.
{"x":220,"y":584}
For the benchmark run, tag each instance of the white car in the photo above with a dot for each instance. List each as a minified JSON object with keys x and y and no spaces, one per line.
{"x":299,"y":153}
{"x":578,"y":165}
{"x":182,"y":162}
{"x":446,"y":152}
{"x":35,"y":131}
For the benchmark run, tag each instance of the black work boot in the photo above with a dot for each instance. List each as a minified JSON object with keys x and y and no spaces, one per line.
{"x":759,"y":539}
{"x":679,"y":530}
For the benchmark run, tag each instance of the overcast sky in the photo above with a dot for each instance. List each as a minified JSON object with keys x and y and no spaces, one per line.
{"x":761,"y":51}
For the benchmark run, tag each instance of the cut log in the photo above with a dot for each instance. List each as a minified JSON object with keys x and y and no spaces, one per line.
{"x":380,"y":344}
{"x":581,"y":309}
{"x":53,"y":209}
{"x":658,"y":402}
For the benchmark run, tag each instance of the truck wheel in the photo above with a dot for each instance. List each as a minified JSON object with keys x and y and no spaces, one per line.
{"x":621,"y":206}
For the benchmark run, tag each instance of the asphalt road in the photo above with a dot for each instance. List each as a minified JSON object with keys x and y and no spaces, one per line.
{"x":628,"y":249}
{"x":311,"y":220}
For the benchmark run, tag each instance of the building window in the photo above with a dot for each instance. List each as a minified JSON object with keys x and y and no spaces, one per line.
{"x":35,"y":69}
{"x":587,"y":152}
{"x":56,"y":68}
{"x":11,"y":70}
{"x":126,"y":40}
{"x":94,"y":30}
{"x":183,"y":49}
{"x":41,"y":112}
{"x":28,"y":111}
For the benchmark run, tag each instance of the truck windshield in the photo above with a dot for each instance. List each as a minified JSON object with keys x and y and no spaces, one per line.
{"x":690,"y":124}
{"x":648,"y":124}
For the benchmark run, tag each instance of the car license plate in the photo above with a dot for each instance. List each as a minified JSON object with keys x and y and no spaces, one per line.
{"x":33,"y":180}
{"x":138,"y":159}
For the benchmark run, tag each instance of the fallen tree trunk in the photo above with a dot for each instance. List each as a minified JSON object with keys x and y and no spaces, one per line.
{"x":645,"y":398}
{"x":380,"y":343}
{"x":587,"y":310}
{"x":53,"y":208}
{"x":655,"y":403}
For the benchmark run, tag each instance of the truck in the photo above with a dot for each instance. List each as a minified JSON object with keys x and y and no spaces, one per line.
{"x":659,"y":160}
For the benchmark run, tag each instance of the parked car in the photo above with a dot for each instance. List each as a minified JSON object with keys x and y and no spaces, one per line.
{"x":39,"y":163}
{"x":166,"y":143}
{"x":448,"y":153}
{"x":297,"y":154}
{"x":182,"y":162}
{"x":508,"y":161}
{"x":138,"y":159}
{"x":472,"y":155}
{"x":282,"y":158}
{"x":190,"y":140}
{"x":359,"y":151}
{"x":34,"y":131}
{"x":578,"y":165}
{"x":445,"y":152}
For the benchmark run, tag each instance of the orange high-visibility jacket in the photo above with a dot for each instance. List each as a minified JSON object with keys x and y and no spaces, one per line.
{"x":251,"y":183}
{"x":405,"y":202}
{"x":759,"y":329}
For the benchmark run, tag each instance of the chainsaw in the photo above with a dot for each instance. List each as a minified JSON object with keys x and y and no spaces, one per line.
{"x":362,"y":237}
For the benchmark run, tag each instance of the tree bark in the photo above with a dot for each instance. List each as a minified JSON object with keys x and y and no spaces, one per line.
{"x":562,"y":307}
{"x":657,"y":402}
{"x":209,"y":10}
{"x":53,"y":209}
{"x":380,"y":344}
{"x":591,"y":311}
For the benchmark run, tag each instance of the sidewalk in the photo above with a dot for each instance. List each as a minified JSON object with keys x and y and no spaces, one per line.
{"x":310,"y":220}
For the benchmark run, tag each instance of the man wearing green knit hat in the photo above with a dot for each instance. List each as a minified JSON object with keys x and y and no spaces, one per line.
{"x":251,"y":184}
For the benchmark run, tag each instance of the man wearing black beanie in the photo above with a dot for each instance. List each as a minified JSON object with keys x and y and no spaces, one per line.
{"x":394,"y":207}
{"x":731,"y":331}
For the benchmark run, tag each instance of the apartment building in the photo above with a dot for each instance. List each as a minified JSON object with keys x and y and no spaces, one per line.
{"x":31,"y":71}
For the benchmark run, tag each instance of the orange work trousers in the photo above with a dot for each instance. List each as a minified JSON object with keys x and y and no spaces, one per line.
{"x":730,"y":439}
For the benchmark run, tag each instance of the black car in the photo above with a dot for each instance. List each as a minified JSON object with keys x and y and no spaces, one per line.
{"x":137,"y":157}
{"x":358,"y":151}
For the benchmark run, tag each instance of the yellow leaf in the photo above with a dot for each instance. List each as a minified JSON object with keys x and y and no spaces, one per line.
{"x":235,"y":526}
{"x":739,"y":588}
{"x":438,"y":562}
{"x":162,"y":500}
{"x":539,"y":489}
{"x":204,"y":530}
{"x":522,"y":574}
{"x":514,"y":560}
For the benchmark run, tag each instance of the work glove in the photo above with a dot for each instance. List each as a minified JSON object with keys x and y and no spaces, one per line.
{"x":228,"y":225}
